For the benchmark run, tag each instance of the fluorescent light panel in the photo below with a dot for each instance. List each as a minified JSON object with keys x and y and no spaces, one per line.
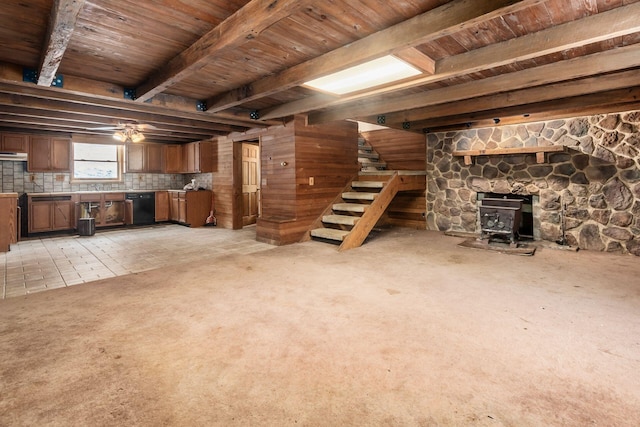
{"x":364,"y":76}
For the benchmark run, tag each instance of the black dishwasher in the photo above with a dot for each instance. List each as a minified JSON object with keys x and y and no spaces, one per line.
{"x":144,"y":207}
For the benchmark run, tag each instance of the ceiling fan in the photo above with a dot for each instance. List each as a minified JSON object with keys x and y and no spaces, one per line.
{"x":127,"y":132}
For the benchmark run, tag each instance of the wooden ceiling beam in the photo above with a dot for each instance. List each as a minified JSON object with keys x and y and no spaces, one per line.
{"x":419,"y":116}
{"x":604,"y":26}
{"x":430,"y":25}
{"x":89,"y":121}
{"x":244,"y":25}
{"x":586,"y":66}
{"x":84,"y":128}
{"x":113,"y":113}
{"x":62,"y":23}
{"x":73,"y":85}
{"x":46,"y":97}
{"x":418,"y":59}
{"x":585,"y":105}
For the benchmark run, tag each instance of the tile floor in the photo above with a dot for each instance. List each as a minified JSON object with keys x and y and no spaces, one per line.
{"x":37,"y":265}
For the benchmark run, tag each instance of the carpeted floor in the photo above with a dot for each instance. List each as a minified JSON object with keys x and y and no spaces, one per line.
{"x":409,"y":329}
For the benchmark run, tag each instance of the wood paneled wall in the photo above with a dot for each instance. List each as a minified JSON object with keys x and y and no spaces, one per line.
{"x":226,"y":198}
{"x":303,"y":169}
{"x":278,"y":164}
{"x":400,"y":150}
{"x":329,"y":154}
{"x":320,"y":161}
{"x":403,"y":151}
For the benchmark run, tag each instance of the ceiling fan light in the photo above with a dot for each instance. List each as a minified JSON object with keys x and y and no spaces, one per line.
{"x":136,"y":136}
{"x":120,"y":136}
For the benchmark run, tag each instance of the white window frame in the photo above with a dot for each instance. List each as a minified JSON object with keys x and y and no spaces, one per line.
{"x":120,"y":160}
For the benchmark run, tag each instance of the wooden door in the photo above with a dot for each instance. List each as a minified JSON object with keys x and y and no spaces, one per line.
{"x":189,"y":157}
{"x":174,"y":207}
{"x":40,"y":217}
{"x":60,"y":154}
{"x":135,"y":157}
{"x":39,"y":154}
{"x":182,"y":209}
{"x":162,"y":206}
{"x":63,"y":215}
{"x":153,"y":158}
{"x":250,"y":183}
{"x":14,"y":143}
{"x":172,"y":158}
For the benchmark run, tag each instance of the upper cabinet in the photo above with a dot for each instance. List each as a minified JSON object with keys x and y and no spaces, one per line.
{"x":14,"y":143}
{"x":49,"y":154}
{"x":197,"y":157}
{"x":173,"y":158}
{"x":144,"y":158}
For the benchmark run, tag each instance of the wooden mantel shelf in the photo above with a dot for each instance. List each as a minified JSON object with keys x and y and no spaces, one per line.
{"x":538,"y":151}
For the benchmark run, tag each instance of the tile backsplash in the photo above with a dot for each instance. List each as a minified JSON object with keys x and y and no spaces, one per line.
{"x":14,"y":178}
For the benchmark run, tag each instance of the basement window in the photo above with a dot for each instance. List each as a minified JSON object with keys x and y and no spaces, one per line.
{"x":387,"y":69}
{"x":97,"y":162}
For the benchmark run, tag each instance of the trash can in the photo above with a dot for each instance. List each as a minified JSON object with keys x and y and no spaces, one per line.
{"x":86,"y":226}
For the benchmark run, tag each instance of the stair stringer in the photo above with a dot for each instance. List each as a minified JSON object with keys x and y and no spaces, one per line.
{"x":374,"y":212}
{"x":338,"y":199}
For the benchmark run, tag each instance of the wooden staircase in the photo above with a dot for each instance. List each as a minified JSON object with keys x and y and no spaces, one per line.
{"x":368,"y":158}
{"x":351,"y":217}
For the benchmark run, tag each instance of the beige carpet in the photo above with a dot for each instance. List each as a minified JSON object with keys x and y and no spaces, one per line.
{"x":409,"y":329}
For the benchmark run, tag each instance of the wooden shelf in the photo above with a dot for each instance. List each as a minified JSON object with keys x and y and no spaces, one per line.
{"x":538,"y":151}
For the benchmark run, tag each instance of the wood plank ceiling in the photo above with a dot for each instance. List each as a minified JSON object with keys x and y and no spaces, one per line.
{"x":198,"y":68}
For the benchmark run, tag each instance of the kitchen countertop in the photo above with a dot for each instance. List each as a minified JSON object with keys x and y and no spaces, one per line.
{"x":9,"y":195}
{"x":70,"y":193}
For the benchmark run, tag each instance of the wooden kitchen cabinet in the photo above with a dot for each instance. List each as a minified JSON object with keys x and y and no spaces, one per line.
{"x":47,"y":154}
{"x":134,"y":157}
{"x":14,"y":143}
{"x":9,"y":223}
{"x":154,"y":156}
{"x":197,"y":157}
{"x":162,"y":206}
{"x":107,"y":209}
{"x":144,"y":158}
{"x":172,"y":158}
{"x":51,"y":213}
{"x":190,"y":207}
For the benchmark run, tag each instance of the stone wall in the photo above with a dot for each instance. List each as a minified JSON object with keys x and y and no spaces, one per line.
{"x":597,"y":181}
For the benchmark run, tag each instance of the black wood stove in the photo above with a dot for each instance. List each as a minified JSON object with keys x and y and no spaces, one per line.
{"x":500,"y":218}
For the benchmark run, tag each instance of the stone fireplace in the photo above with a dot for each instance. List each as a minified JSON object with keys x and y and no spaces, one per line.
{"x":594,"y":184}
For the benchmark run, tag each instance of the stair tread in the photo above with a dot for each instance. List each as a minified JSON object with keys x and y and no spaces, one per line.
{"x":359,"y":195}
{"x":350,"y":207}
{"x":367,"y":155}
{"x":329,"y":233}
{"x":340,"y":219}
{"x":367,"y":184}
{"x":367,"y":160}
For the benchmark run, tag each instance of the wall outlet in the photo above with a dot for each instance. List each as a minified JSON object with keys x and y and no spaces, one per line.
{"x":60,"y":178}
{"x":312,"y":181}
{"x":32,"y":178}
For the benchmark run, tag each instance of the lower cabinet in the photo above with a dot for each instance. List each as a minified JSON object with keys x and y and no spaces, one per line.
{"x":9,"y":223}
{"x":107,"y":209}
{"x":51,"y":213}
{"x":162,"y":206}
{"x":190,"y":207}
